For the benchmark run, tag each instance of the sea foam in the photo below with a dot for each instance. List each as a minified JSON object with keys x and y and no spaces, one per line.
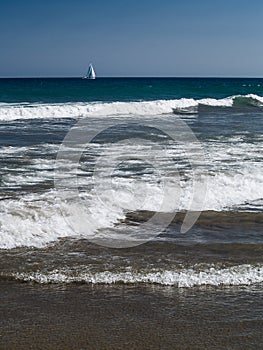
{"x":38,"y":219}
{"x":233,"y":276}
{"x":100,"y":109}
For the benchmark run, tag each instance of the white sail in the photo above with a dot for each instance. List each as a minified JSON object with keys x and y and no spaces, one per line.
{"x":91,"y":73}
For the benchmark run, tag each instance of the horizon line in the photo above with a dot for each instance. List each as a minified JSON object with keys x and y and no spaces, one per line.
{"x":135,"y":77}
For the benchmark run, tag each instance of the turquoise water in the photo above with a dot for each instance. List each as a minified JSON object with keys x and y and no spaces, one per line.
{"x":123,"y":89}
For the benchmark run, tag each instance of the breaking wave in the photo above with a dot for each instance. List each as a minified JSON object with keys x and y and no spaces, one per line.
{"x":100,"y":109}
{"x":36,"y":219}
{"x":233,"y":276}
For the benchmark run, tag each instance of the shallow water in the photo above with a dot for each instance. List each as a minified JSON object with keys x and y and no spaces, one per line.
{"x":125,"y":317}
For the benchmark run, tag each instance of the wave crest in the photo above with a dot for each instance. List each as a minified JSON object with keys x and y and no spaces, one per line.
{"x":187,"y":278}
{"x":100,"y":109}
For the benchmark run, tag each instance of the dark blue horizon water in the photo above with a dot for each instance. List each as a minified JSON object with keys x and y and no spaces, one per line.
{"x":60,"y":90}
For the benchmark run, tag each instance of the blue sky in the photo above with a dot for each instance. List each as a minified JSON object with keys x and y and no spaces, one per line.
{"x":131,"y":38}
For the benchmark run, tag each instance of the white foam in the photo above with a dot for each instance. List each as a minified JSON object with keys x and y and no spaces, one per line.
{"x":100,"y":109}
{"x":231,"y":180}
{"x":37,"y":219}
{"x":230,"y":188}
{"x":186,"y":278}
{"x":96,"y":109}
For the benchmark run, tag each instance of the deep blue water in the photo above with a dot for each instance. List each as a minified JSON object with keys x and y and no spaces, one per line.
{"x":57,"y":90}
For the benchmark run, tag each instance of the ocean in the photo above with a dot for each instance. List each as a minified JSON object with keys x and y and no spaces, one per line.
{"x":131,"y":213}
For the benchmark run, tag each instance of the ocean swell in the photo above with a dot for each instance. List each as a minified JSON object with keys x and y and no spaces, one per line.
{"x":100,"y":109}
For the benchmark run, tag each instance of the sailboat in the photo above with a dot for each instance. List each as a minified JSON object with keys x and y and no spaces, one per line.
{"x":90,"y":73}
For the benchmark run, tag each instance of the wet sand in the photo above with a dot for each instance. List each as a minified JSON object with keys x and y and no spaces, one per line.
{"x":129,"y":317}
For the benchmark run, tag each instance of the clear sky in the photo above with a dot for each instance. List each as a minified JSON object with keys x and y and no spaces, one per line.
{"x":131,"y":38}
